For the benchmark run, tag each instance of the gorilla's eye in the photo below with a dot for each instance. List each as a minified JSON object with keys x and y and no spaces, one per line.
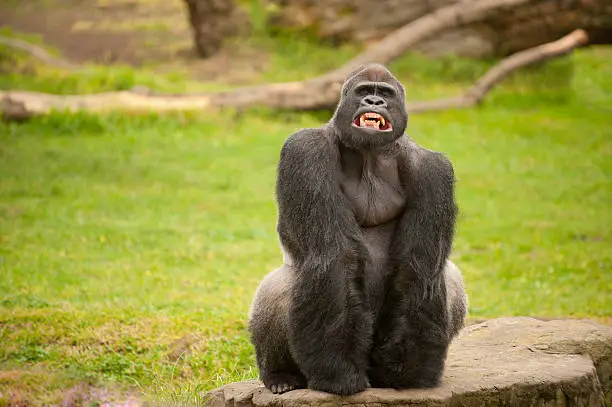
{"x":363,"y":91}
{"x":382,"y":89}
{"x":387,"y":93}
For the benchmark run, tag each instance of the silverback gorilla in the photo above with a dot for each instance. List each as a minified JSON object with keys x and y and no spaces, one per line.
{"x":366,"y":295}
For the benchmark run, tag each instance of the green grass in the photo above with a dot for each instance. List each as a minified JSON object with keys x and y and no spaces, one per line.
{"x":130,"y":246}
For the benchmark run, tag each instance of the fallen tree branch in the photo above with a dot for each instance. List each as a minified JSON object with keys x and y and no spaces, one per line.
{"x":316,"y":93}
{"x":455,"y":15}
{"x":474,"y":95}
{"x":22,"y":105}
{"x":36,"y":52}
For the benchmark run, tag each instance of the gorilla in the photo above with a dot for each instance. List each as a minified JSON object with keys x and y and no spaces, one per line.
{"x":366,"y":295}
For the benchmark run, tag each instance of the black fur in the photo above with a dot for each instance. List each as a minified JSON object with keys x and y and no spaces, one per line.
{"x":413,"y":333}
{"x":328,"y":315}
{"x":337,"y":339}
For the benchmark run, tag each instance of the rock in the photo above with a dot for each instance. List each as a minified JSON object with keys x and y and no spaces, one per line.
{"x":515,"y":361}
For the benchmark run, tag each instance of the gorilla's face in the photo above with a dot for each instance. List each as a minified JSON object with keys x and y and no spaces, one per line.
{"x":371,"y":112}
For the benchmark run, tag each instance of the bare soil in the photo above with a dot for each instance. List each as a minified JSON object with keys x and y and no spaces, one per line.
{"x":129,"y":32}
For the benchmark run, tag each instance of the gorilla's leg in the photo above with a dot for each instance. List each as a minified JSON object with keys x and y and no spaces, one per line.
{"x":268,"y":323}
{"x":456,"y":298}
{"x":415,"y":327}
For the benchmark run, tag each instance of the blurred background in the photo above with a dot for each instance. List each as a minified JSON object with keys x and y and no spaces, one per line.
{"x":131,"y":243}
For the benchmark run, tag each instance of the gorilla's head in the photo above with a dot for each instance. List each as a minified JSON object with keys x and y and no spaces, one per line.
{"x":371,"y":111}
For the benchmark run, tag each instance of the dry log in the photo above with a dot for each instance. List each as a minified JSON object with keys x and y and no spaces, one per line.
{"x":524,"y":26}
{"x":317,"y":93}
{"x":495,"y":75}
{"x":455,"y":15}
{"x":17,"y":105}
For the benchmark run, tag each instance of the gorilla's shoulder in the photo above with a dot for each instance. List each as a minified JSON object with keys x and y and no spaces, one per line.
{"x":308,"y":142}
{"x":424,"y":162}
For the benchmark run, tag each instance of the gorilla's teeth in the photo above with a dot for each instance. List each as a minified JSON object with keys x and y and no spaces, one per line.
{"x":372,"y":120}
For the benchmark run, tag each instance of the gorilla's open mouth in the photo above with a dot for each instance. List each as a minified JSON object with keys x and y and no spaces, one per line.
{"x":372,"y":120}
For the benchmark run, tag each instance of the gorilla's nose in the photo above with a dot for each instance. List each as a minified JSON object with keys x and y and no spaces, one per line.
{"x":373,"y":100}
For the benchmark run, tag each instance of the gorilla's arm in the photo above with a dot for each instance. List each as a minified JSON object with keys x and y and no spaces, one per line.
{"x":424,"y":235}
{"x":415,"y":313}
{"x":328,"y":318}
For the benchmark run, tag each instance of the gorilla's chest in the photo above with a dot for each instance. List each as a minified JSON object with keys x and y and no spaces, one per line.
{"x":372,"y":186}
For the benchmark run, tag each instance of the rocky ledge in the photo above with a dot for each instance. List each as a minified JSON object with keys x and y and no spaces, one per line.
{"x":515,"y":361}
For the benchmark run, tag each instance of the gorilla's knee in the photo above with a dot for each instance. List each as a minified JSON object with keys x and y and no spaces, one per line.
{"x":456,"y":297}
{"x":270,"y":306}
{"x":269,"y":325}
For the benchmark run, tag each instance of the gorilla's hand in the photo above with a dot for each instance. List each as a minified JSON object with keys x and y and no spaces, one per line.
{"x":330,"y":323}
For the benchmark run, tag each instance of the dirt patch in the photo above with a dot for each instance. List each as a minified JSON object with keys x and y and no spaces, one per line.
{"x":25,"y":388}
{"x":131,"y":32}
{"x":104,"y":32}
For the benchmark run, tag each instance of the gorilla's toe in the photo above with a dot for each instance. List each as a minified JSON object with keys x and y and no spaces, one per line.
{"x":283,"y":383}
{"x":281,"y":388}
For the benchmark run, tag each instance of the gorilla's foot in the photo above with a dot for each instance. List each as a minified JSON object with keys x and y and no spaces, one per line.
{"x":408,"y":375}
{"x":345,"y":386}
{"x":279,"y":383}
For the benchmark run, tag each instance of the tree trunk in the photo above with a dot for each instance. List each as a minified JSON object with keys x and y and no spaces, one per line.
{"x":508,"y":31}
{"x":212,"y":21}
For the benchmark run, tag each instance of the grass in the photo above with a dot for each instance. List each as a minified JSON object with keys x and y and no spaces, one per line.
{"x":130,"y":246}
